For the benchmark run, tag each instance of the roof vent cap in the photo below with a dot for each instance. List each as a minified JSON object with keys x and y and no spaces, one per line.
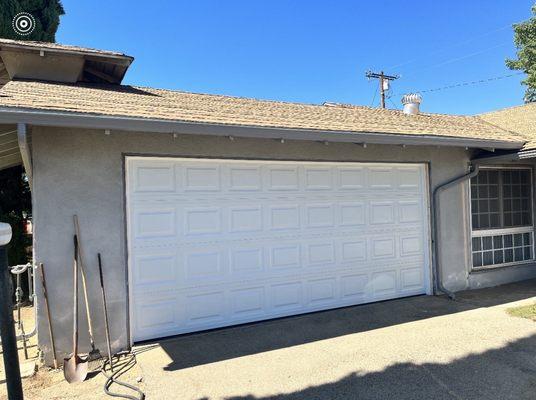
{"x":411,"y":103}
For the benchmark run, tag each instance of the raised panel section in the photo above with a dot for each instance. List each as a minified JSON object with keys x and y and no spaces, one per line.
{"x":409,"y":178}
{"x":322,"y":290}
{"x":354,"y":250}
{"x":382,"y":213}
{"x":205,"y":178}
{"x":384,"y":283}
{"x":202,"y":220}
{"x":287,"y":295}
{"x":410,"y":245}
{"x":155,"y":269}
{"x":159,"y":315}
{"x":286,"y":256}
{"x":205,"y":307}
{"x":245,"y":178}
{"x":380,"y":178}
{"x":283,"y":178}
{"x":354,"y":285}
{"x":352,"y":213}
{"x":284,"y":217}
{"x":203,"y":264}
{"x":246,"y":260}
{"x":318,"y":179}
{"x":155,"y":223}
{"x":319,"y":215}
{"x":246,"y":219}
{"x":382,"y":248}
{"x":321,"y":253}
{"x":352,"y":178}
{"x":247,"y":301}
{"x":155,"y":178}
{"x":410,"y":211}
{"x":412,"y":278}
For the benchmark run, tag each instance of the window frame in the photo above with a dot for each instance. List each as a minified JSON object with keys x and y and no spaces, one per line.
{"x":503,"y":231}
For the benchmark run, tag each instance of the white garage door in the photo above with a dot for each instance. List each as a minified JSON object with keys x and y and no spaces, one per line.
{"x":222,"y":242}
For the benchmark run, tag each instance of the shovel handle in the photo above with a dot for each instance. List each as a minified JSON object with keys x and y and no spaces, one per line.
{"x":45,"y":297}
{"x":105,"y":309}
{"x":75,"y":306}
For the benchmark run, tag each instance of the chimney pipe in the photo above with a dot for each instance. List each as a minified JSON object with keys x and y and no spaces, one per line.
{"x":411,"y":103}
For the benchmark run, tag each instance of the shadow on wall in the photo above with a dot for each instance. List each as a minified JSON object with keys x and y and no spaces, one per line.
{"x":505,"y":373}
{"x":203,"y":348}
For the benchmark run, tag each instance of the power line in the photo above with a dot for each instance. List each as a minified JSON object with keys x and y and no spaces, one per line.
{"x":374,"y":97}
{"x":471,"y":39}
{"x":469,"y":83}
{"x":454,"y":59}
{"x":393,"y":103}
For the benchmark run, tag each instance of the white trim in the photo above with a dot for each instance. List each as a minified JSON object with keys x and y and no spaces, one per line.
{"x":504,"y":265}
{"x":505,"y":167}
{"x":503,"y":231}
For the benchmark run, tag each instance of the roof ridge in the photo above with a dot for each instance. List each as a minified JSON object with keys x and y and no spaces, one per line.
{"x":518,"y":134}
{"x":227,"y":96}
{"x":323,"y":105}
{"x":507,"y":108}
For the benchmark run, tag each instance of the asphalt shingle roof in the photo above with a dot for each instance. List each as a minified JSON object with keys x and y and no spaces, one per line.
{"x":520,"y":119}
{"x":129,"y":101}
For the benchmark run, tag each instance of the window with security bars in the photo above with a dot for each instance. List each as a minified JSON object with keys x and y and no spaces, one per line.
{"x":501,"y":212}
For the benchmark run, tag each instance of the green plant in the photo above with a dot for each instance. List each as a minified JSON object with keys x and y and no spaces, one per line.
{"x":525,"y":41}
{"x":45,"y":12}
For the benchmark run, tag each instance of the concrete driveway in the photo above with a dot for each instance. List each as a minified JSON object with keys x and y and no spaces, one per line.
{"x":413,"y":348}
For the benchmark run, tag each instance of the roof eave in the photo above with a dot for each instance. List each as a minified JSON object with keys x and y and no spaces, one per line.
{"x":138,"y":124}
{"x":120,"y":58}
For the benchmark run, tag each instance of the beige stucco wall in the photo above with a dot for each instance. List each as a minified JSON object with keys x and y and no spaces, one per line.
{"x":81,"y":172}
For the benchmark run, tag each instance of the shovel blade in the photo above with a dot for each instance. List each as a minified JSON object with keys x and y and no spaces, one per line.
{"x":75,"y":368}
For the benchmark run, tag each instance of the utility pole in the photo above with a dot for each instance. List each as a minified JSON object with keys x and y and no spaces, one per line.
{"x":384,"y":83}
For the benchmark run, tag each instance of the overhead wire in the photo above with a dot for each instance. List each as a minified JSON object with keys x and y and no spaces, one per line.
{"x":455,"y":59}
{"x":374,"y":97}
{"x":469,"y":40}
{"x":467,"y":83}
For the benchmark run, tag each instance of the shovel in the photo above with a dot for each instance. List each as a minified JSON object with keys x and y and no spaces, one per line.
{"x":75,"y":367}
{"x":94,"y":354}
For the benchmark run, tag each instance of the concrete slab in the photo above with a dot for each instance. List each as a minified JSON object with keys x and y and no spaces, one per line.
{"x":414,"y":348}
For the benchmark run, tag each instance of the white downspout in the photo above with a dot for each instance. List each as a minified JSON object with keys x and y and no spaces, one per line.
{"x":25,"y":151}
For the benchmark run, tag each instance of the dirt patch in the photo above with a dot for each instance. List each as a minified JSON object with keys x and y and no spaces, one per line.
{"x":50,"y":384}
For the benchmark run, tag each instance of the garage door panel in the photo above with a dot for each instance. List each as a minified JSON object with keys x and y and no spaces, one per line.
{"x":157,"y":177}
{"x":218,"y":242}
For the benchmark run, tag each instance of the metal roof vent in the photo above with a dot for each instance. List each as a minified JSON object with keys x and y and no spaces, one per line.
{"x":411,"y":103}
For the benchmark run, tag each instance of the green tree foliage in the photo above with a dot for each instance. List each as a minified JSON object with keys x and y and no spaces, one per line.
{"x":15,"y":198}
{"x":525,"y":41}
{"x":15,"y":205}
{"x":46,"y":13}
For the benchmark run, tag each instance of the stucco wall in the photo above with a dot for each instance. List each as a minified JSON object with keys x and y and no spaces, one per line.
{"x":81,"y":172}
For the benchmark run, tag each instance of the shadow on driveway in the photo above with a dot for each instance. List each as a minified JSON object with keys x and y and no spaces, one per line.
{"x":223,"y":344}
{"x":505,"y":373}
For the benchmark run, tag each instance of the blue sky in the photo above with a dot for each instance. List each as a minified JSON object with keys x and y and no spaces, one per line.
{"x":311,"y":51}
